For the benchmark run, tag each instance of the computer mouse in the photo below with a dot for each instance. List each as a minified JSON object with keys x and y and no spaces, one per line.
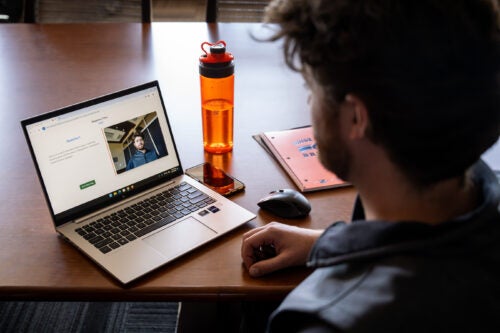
{"x":286,"y":203}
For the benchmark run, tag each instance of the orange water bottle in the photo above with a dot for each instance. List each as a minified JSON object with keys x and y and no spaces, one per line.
{"x":217,"y":97}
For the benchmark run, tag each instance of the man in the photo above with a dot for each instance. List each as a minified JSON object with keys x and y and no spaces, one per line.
{"x":405,"y":98}
{"x":142,"y":155}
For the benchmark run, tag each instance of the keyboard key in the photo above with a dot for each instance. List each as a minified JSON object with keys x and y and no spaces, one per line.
{"x":89,"y":236}
{"x":195,"y":194}
{"x":154,"y":226}
{"x":122,"y":241}
{"x":95,"y":239}
{"x":100,"y":231}
{"x":89,"y":229}
{"x":199,"y":199}
{"x":103,"y":243}
{"x":125,"y":233}
{"x":114,"y":245}
{"x":105,"y":249}
{"x":130,"y":237}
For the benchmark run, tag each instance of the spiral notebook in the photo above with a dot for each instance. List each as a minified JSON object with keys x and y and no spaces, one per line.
{"x":296,"y":151}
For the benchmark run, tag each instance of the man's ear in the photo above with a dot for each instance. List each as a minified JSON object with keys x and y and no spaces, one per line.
{"x":359,"y":117}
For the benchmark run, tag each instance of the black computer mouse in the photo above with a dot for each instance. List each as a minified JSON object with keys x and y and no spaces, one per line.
{"x":286,"y":203}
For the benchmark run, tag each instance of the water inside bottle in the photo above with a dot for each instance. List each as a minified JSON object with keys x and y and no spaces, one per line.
{"x":217,"y":117}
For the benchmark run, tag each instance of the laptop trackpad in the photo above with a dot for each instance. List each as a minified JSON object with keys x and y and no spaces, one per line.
{"x":180,"y":238}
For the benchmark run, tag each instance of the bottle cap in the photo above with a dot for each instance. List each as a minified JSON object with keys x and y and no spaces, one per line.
{"x":217,"y":49}
{"x":216,"y":63}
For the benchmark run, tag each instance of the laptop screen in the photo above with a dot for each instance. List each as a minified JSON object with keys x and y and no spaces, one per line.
{"x":102,"y":151}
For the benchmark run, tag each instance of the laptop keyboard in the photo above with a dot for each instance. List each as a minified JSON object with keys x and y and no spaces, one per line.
{"x":120,"y":228}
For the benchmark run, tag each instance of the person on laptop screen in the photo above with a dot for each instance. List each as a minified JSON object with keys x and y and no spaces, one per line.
{"x":405,"y":98}
{"x":142,"y":155}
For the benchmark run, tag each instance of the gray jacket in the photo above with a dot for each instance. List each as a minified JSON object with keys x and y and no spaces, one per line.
{"x":378,"y":276}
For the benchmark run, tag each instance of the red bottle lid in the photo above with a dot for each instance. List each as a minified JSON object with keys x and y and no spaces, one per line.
{"x":216,"y":62}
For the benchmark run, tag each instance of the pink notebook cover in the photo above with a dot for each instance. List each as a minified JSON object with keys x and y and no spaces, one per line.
{"x":296,"y":151}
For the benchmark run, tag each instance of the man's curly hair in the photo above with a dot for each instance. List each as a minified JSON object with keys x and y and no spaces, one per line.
{"x":428,"y":71}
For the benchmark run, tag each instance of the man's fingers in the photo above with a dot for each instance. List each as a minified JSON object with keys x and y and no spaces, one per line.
{"x":252,"y":241}
{"x":267,"y":266}
{"x":258,"y":229}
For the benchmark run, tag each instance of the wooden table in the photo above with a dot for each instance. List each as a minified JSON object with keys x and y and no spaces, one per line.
{"x":43,"y":67}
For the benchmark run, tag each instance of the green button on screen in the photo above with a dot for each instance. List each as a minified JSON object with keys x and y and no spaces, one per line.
{"x":87,"y":184}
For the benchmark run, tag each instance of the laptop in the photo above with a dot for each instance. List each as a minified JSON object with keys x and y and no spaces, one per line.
{"x":127,"y":206}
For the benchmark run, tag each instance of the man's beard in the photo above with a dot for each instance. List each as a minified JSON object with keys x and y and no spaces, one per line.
{"x":335,"y":156}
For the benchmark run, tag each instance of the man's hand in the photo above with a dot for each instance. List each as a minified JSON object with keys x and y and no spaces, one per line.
{"x":289,"y":246}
